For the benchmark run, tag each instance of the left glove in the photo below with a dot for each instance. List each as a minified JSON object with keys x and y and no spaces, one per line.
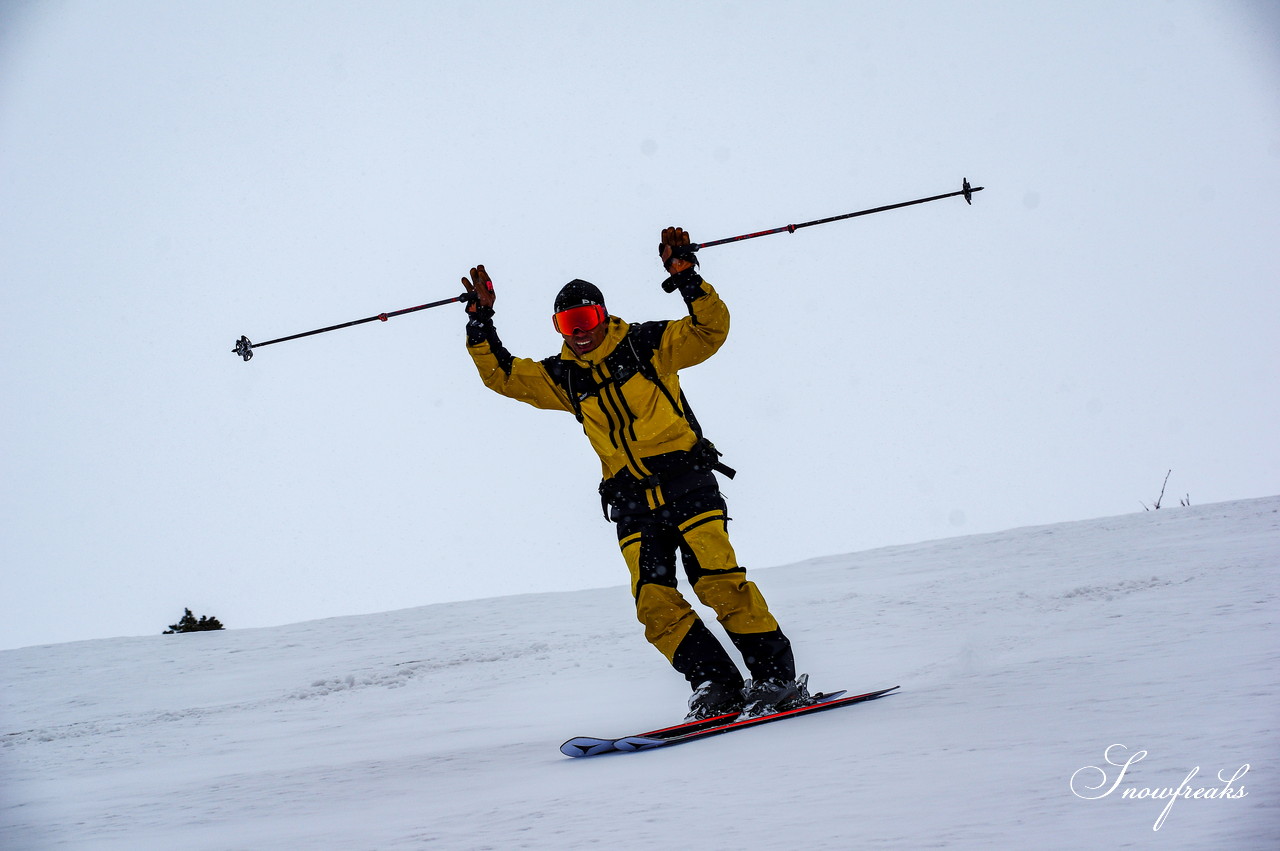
{"x":688,"y":282}
{"x":681,"y":262}
{"x":675,"y":251}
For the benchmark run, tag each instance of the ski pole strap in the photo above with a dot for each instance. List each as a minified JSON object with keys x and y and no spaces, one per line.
{"x":705,"y":454}
{"x":724,"y":469}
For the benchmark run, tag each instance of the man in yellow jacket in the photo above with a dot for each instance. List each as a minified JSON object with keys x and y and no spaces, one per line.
{"x":621,"y":382}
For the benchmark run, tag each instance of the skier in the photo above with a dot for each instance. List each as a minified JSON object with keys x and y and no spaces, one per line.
{"x":620,"y":381}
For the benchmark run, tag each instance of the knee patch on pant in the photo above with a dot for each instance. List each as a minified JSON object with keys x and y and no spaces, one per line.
{"x":666,"y":615}
{"x":704,"y":542}
{"x":738,"y":604}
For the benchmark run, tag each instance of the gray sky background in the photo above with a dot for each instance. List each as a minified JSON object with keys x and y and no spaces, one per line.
{"x":174,"y":175}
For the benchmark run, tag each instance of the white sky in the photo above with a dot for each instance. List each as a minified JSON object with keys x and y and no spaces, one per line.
{"x":174,"y":175}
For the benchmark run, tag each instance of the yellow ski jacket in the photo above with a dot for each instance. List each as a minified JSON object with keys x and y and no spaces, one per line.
{"x":628,"y":417}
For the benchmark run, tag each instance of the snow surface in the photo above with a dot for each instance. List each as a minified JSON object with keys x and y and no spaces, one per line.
{"x":1022,"y":655}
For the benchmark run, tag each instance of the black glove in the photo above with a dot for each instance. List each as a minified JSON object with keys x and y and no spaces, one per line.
{"x":682,"y":252}
{"x":688,"y":282}
{"x":479,"y":324}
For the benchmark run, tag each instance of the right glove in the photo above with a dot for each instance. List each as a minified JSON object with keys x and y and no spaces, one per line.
{"x":480,"y":294}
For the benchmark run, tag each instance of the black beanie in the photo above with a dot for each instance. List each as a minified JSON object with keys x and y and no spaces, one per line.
{"x":577,"y":293}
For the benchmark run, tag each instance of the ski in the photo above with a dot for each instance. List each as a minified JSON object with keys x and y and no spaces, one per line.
{"x":697,"y":726}
{"x":580,"y":746}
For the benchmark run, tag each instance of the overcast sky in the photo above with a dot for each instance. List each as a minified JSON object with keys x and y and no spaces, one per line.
{"x":174,"y":175}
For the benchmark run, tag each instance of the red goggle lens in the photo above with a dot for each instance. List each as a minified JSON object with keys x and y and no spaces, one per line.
{"x":583,"y":318}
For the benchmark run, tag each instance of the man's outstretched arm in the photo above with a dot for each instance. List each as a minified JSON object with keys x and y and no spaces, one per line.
{"x":699,"y":335}
{"x":516,"y":378}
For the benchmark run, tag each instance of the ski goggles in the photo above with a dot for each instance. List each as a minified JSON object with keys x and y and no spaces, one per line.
{"x":584,"y":318}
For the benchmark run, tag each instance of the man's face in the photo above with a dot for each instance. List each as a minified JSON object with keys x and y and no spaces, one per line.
{"x":582,"y":328}
{"x":581,"y":341}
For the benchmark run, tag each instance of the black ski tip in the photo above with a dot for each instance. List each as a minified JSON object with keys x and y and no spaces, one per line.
{"x":871,"y":695}
{"x":243,"y":348}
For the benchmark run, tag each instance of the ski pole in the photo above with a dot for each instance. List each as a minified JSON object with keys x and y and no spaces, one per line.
{"x":244,"y":348}
{"x":967,"y":191}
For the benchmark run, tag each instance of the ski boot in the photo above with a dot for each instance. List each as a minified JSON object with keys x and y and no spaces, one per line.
{"x":765,"y":697}
{"x":712,"y":699}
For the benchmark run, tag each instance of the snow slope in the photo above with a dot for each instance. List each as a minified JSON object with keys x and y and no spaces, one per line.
{"x":1023,"y":656}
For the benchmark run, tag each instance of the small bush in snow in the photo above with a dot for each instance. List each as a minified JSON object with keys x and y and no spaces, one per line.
{"x":190,"y":624}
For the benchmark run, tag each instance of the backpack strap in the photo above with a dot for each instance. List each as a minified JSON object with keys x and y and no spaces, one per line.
{"x":643,"y":341}
{"x":574,"y":380}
